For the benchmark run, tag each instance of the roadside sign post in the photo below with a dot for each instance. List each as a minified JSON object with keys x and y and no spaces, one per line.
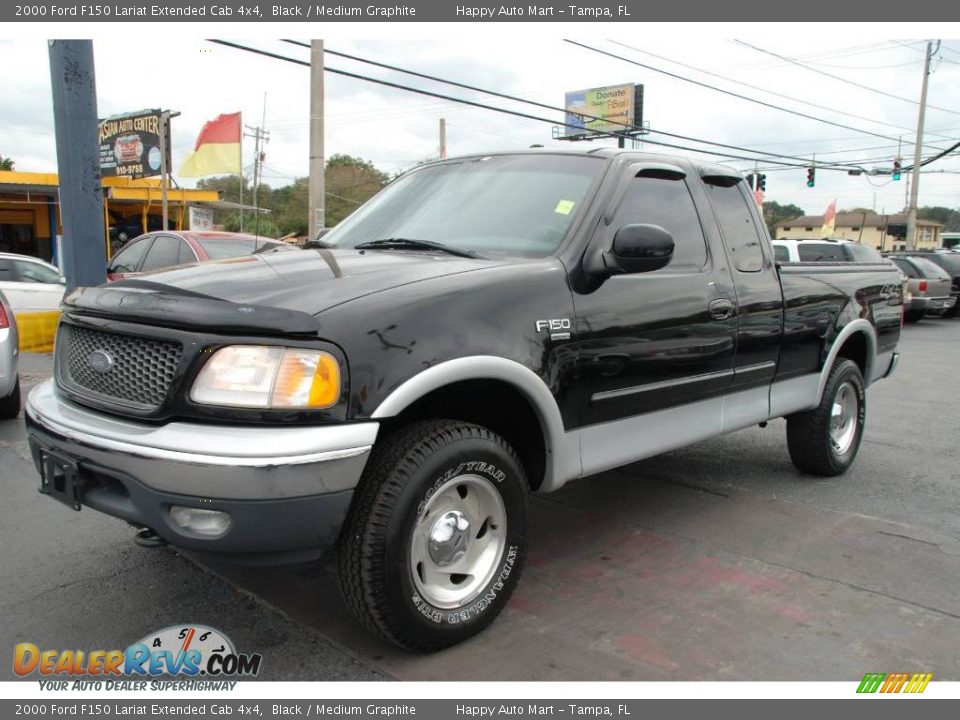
{"x":72,"y":79}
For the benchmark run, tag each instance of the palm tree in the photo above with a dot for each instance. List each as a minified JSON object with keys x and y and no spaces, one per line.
{"x":6,"y":163}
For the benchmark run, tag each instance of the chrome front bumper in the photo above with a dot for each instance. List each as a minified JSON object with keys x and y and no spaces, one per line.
{"x":287,"y":490}
{"x":225,"y":461}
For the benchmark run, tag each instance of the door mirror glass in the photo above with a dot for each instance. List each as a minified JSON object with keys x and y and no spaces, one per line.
{"x":640,"y":248}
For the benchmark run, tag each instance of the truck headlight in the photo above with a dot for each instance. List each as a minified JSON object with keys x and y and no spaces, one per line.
{"x":261,"y":376}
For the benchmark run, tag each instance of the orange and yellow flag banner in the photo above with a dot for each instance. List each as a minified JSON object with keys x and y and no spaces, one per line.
{"x":217,"y":149}
{"x":829,"y":220}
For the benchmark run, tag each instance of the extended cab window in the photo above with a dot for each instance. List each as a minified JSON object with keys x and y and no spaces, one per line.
{"x":666,"y":201}
{"x":739,"y":230}
{"x":781,"y":254}
{"x":821,"y":252}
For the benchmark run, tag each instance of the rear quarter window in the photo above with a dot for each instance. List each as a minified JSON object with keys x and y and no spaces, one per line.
{"x":781,"y":254}
{"x":821,"y":252}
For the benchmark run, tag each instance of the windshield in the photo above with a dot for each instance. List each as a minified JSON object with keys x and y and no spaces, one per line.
{"x":511,"y":205}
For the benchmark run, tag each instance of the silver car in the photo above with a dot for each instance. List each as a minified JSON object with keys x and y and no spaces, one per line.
{"x":928,"y":285}
{"x":9,"y":357}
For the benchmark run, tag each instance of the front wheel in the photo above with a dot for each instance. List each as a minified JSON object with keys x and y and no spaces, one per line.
{"x":436,"y":536}
{"x":825,"y":440}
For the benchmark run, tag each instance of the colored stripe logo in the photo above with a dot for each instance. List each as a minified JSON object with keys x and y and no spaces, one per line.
{"x":894,"y":682}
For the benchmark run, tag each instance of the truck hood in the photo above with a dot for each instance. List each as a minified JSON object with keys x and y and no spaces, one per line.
{"x":309,"y":281}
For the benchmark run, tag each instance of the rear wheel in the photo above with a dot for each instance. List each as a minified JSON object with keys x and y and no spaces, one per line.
{"x":436,"y":536}
{"x":10,"y":405}
{"x":825,"y":440}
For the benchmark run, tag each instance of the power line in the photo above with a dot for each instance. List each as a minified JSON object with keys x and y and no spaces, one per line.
{"x":514,"y":98}
{"x":761,"y":89}
{"x":731,"y":93}
{"x":842,"y":79}
{"x":516,"y":113}
{"x":770,"y":157}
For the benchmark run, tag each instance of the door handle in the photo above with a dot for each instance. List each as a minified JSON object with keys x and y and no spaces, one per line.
{"x":722,"y":309}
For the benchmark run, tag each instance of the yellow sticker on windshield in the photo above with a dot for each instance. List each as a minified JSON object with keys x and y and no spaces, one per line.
{"x":564,"y":207}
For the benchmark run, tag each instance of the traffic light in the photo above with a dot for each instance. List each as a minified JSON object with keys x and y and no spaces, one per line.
{"x":896,"y":169}
{"x":761,"y":182}
{"x":750,"y":181}
{"x":811,"y":176}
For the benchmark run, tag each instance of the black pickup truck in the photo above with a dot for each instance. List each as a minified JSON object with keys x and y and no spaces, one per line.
{"x":483,"y":328}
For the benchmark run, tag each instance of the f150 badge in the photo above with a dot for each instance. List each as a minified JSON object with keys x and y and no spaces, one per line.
{"x":559,"y":328}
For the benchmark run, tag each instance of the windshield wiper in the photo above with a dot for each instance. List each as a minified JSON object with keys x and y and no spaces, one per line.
{"x":409,"y":244}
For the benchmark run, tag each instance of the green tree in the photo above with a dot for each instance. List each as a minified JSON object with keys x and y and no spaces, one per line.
{"x":774,"y":213}
{"x":350,"y":182}
{"x":6,"y":163}
{"x":949,"y":217}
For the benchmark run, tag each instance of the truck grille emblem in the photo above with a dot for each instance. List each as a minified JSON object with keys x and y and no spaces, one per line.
{"x":101,"y":361}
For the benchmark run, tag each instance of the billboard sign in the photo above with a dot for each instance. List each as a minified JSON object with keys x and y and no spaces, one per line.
{"x":201,"y":218}
{"x":617,"y":108}
{"x":130,"y":144}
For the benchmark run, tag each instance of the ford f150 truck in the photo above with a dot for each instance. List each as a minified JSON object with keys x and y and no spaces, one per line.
{"x":483,"y":328}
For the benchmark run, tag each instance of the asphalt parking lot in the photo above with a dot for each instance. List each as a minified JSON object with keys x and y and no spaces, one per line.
{"x":716,"y":562}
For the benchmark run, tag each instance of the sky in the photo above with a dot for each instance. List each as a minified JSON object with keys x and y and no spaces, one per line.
{"x":396,"y":129}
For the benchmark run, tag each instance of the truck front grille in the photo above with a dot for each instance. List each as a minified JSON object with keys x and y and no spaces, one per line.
{"x":126,"y":370}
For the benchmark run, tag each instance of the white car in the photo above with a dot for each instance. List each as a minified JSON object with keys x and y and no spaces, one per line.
{"x":9,"y":356}
{"x":826,"y":250}
{"x":34,"y":289}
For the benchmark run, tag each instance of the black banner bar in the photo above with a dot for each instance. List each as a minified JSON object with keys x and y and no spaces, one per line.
{"x":300,"y":11}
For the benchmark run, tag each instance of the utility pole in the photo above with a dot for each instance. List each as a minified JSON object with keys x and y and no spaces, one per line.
{"x":317,"y":218}
{"x":443,"y":139}
{"x":260,"y":138}
{"x":164,"y":165}
{"x":917,"y":152}
{"x":72,"y":79}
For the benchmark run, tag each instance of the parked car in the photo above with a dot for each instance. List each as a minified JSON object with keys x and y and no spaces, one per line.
{"x":164,"y":249}
{"x":9,"y":356}
{"x":950,"y":262}
{"x":34,"y":289}
{"x":928,"y":285}
{"x":825,"y":250}
{"x":483,"y":328}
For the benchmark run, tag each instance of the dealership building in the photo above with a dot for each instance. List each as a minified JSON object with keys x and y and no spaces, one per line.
{"x":30,"y":212}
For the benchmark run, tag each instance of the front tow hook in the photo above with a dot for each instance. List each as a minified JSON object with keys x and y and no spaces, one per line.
{"x":146,"y":537}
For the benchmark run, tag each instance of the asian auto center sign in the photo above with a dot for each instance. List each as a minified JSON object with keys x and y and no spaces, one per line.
{"x":130,"y":144}
{"x":618,"y":108}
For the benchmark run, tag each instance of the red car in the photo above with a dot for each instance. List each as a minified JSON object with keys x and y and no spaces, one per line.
{"x":168,"y":248}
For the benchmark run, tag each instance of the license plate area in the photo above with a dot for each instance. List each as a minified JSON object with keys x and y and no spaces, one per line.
{"x":60,"y":478}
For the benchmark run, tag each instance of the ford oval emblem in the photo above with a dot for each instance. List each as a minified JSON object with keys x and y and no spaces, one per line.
{"x":101,"y":361}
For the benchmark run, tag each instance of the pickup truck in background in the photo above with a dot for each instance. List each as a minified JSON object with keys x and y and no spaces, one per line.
{"x":483,"y":328}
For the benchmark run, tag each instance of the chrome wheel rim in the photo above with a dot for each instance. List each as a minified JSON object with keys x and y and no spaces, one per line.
{"x":844,"y":415}
{"x":458,"y":540}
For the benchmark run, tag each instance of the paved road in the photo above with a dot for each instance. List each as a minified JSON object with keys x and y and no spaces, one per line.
{"x":719,"y":561}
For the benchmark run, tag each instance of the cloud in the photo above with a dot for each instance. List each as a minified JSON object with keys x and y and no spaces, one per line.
{"x":395,"y":129}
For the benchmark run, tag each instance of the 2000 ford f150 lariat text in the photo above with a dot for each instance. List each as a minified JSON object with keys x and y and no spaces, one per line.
{"x":484,"y":327}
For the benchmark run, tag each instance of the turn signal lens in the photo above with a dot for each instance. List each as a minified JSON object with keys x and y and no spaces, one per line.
{"x":259,"y":376}
{"x":306,"y":379}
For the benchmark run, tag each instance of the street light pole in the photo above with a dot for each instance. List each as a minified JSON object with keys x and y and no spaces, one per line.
{"x":917,"y":153}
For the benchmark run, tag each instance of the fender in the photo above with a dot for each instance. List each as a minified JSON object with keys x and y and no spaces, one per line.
{"x":562,"y":461}
{"x":854,"y":326}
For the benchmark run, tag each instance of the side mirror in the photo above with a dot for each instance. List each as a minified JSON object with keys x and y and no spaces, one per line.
{"x":639,"y":248}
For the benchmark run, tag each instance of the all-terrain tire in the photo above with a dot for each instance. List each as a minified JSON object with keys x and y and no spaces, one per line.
{"x":813,"y":448}
{"x":376,"y":567}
